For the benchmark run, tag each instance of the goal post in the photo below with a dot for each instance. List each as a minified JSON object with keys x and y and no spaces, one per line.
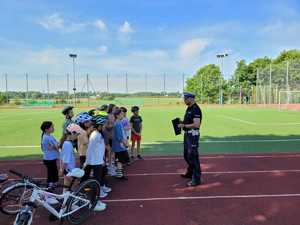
{"x":289,"y":100}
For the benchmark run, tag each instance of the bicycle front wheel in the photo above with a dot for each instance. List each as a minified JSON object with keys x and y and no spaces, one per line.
{"x":88,"y":190}
{"x":13,"y":197}
{"x":23,"y":218}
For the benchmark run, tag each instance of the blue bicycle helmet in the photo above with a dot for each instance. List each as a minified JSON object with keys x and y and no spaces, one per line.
{"x":83,"y":117}
{"x":100,"y":119}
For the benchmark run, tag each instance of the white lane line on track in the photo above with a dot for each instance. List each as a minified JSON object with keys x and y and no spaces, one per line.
{"x":226,"y":157}
{"x":205,"y":197}
{"x":208,"y":172}
{"x":203,"y":142}
{"x":218,"y":172}
{"x":37,"y":162}
{"x":251,"y":141}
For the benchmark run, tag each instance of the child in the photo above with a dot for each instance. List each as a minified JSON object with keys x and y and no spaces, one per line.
{"x":136,"y":131}
{"x":120,"y":144}
{"x":84,"y":120}
{"x":67,"y":156}
{"x":95,"y":158}
{"x":68,"y":113}
{"x":126,"y":123}
{"x":50,"y":149}
{"x":109,"y":135}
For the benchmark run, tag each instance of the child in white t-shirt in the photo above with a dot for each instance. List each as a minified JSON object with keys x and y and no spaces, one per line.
{"x":67,"y":155}
{"x":95,"y":158}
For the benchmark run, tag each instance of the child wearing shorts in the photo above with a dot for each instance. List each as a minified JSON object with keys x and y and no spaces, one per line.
{"x":136,"y":131}
{"x":50,"y":149}
{"x":120,"y":144}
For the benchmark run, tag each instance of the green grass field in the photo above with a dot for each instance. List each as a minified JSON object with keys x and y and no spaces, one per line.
{"x":224,"y":130}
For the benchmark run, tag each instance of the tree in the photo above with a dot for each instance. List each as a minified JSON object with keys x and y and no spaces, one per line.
{"x":290,"y":55}
{"x":3,"y":98}
{"x":206,"y":84}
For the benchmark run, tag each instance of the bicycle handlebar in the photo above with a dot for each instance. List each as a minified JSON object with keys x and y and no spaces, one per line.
{"x":19,"y":174}
{"x":25,"y":177}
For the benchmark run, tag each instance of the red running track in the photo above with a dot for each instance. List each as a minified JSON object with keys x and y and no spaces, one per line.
{"x":237,"y":190}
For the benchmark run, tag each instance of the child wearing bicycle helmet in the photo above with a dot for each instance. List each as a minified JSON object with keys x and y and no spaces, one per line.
{"x":67,"y":155}
{"x":50,"y":149}
{"x":84,"y":120}
{"x":68,"y":113}
{"x":95,"y":156}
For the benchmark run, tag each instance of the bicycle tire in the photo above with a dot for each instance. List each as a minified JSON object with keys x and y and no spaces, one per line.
{"x":24,"y":218}
{"x":13,"y":197}
{"x":90,"y":190}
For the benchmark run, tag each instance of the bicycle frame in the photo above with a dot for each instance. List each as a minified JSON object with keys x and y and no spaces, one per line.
{"x":40,"y":196}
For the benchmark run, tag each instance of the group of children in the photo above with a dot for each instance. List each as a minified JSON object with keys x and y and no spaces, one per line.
{"x":101,"y":137}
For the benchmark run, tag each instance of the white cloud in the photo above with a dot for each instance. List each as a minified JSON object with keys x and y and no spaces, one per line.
{"x":58,"y":23}
{"x":126,"y":28}
{"x":192,"y":48}
{"x":100,"y":25}
{"x":52,"y":22}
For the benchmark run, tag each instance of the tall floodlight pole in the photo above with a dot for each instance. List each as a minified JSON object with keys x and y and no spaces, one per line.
{"x":221,"y":56}
{"x":73,"y":56}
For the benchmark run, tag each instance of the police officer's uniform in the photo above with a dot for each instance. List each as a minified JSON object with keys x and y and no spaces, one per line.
{"x":191,"y":142}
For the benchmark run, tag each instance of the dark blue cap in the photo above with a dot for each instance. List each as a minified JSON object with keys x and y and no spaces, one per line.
{"x":188,"y":95}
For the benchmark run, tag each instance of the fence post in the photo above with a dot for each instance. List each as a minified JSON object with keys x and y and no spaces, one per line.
{"x":257,"y":86}
{"x":270,"y":94}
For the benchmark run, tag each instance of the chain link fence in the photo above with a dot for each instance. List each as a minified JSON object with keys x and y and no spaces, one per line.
{"x":279,"y":83}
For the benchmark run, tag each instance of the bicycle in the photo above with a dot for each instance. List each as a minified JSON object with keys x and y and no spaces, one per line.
{"x":75,"y":206}
{"x":3,"y":178}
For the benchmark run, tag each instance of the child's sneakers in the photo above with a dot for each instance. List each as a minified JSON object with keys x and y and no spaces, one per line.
{"x":101,"y":206}
{"x":120,"y":174}
{"x":111,"y":170}
{"x":103,"y":194}
{"x":106,"y":189}
{"x":139,"y":157}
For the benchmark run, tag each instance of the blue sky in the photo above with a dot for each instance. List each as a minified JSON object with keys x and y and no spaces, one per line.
{"x":139,"y":37}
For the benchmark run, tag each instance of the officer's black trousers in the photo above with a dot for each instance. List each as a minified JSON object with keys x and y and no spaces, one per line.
{"x":191,"y":156}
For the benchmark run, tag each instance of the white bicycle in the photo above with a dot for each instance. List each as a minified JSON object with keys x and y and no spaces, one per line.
{"x":74,"y":206}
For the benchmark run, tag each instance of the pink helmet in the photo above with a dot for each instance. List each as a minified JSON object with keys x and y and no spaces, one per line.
{"x":74,"y":129}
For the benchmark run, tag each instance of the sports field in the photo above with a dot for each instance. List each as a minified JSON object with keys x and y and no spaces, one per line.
{"x":225,"y":129}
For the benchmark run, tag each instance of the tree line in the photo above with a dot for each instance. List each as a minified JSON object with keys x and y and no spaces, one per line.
{"x":210,"y":86}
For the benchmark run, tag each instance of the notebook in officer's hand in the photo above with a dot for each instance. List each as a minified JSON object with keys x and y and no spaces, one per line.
{"x":175,"y":123}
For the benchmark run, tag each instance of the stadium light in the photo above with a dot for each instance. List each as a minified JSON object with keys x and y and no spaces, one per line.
{"x":221,"y":56}
{"x":74,"y":56}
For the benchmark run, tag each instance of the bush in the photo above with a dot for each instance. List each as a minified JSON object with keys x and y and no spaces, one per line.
{"x":17,"y":102}
{"x":108,"y":97}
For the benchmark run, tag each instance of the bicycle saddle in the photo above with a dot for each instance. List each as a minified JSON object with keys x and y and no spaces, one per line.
{"x":76,"y":172}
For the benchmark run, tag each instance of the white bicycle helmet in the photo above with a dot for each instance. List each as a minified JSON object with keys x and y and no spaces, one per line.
{"x":74,"y":129}
{"x":76,"y":172}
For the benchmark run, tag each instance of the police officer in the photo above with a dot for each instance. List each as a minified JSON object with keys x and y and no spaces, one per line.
{"x":190,"y":125}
